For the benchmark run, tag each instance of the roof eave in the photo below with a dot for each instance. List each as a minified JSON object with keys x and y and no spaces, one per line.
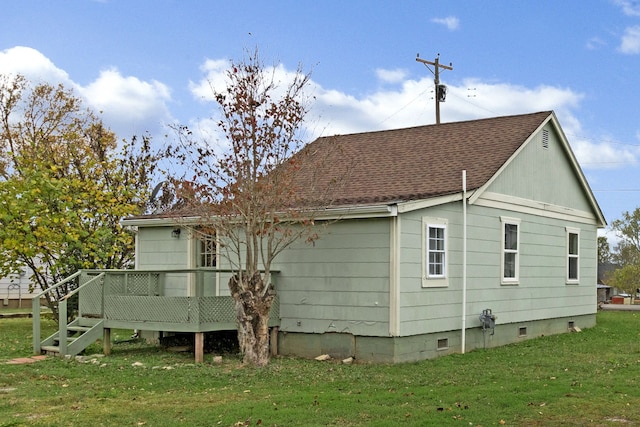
{"x":343,"y":212}
{"x":159,"y":221}
{"x":414,"y":205}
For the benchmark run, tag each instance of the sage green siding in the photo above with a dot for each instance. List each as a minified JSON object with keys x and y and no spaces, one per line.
{"x":339,"y":284}
{"x":542,"y":291}
{"x":543,"y":174}
{"x":158,"y":250}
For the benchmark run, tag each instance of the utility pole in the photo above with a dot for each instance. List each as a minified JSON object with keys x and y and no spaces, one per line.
{"x":441,"y":90}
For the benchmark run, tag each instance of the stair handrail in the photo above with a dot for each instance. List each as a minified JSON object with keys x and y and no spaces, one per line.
{"x":35,"y":306}
{"x":76,"y":290}
{"x":60,"y":283}
{"x":62,"y":314}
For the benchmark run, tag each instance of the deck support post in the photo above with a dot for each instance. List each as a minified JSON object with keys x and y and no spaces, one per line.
{"x":106,"y":341}
{"x":273,"y":341}
{"x":199,"y":347}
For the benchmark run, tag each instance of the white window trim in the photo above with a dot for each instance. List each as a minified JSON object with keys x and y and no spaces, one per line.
{"x":568,"y":232}
{"x":443,"y":251}
{"x":194,"y":256}
{"x":510,"y":280}
{"x":202,"y":242}
{"x":429,"y":281}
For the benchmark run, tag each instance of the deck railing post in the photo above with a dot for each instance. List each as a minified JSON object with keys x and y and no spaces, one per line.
{"x":35,"y":305}
{"x":200,"y":283}
{"x":103,"y":293}
{"x":161,"y":280}
{"x":62,"y":326}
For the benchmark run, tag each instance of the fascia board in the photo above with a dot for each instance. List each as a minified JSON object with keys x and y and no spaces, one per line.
{"x":533,"y":207}
{"x":602,"y":222}
{"x":159,"y":222}
{"x":352,"y":212}
{"x":427,"y":203}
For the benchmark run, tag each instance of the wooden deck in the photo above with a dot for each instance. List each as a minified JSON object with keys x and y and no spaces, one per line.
{"x":136,"y":299}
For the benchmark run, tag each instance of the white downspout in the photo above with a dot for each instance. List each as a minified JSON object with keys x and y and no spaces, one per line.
{"x":394,"y":270}
{"x":464,"y":259}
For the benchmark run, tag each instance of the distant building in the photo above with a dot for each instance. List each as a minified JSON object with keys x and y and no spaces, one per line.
{"x":14,"y":290}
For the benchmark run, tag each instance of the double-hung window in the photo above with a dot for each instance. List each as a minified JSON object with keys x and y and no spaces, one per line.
{"x":435,"y":252}
{"x":207,"y":251}
{"x":573,"y":255}
{"x":510,"y":250}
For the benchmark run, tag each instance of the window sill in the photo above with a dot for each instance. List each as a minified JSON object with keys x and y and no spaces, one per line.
{"x":509,"y":282}
{"x":435,"y":283}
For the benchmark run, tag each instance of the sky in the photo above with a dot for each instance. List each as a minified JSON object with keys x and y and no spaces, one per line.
{"x":145,"y":65}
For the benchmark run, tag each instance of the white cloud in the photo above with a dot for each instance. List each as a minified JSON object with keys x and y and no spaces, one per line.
{"x":629,"y":7}
{"x":129,"y":105}
{"x":32,"y":64}
{"x":413,"y":104}
{"x":214,"y":70}
{"x":215,"y":78}
{"x":451,"y":22}
{"x":595,"y":43}
{"x":205,"y":129}
{"x":391,"y":76}
{"x":602,"y":154}
{"x":631,"y":40}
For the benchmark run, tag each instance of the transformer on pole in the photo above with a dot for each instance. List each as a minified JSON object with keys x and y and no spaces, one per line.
{"x":441,"y":90}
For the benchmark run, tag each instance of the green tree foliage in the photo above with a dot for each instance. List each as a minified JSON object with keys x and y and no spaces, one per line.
{"x":627,"y":252}
{"x":604,"y":250}
{"x":65,"y":184}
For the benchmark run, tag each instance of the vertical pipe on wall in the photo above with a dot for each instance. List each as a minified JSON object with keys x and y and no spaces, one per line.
{"x":464,"y":259}
{"x":394,"y":273}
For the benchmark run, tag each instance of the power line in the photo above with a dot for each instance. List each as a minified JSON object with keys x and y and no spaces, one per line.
{"x":621,"y":190}
{"x":405,"y":105}
{"x":602,"y":141}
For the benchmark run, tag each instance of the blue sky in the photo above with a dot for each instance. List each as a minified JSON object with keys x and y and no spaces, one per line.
{"x":145,"y":64}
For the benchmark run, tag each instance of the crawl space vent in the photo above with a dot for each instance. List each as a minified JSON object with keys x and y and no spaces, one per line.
{"x":443,"y":343}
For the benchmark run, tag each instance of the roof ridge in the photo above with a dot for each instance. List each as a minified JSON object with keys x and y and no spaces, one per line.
{"x":545,"y":112}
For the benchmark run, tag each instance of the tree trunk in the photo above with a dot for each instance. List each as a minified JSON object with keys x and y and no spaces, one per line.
{"x":252,"y":307}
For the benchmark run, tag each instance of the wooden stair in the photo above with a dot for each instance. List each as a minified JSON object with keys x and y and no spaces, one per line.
{"x":78,"y":335}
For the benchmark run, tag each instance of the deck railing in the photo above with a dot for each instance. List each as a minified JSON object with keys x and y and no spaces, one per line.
{"x":137,"y":299}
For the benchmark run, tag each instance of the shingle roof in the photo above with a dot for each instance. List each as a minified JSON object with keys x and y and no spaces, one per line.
{"x":412,"y":163}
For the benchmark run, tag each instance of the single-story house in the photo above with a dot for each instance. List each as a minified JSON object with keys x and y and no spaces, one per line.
{"x":444,"y":238}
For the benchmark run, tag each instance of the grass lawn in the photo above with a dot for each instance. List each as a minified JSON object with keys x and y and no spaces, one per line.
{"x":581,"y":379}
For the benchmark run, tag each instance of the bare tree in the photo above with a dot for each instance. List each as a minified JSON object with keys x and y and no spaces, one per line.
{"x":245,"y":193}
